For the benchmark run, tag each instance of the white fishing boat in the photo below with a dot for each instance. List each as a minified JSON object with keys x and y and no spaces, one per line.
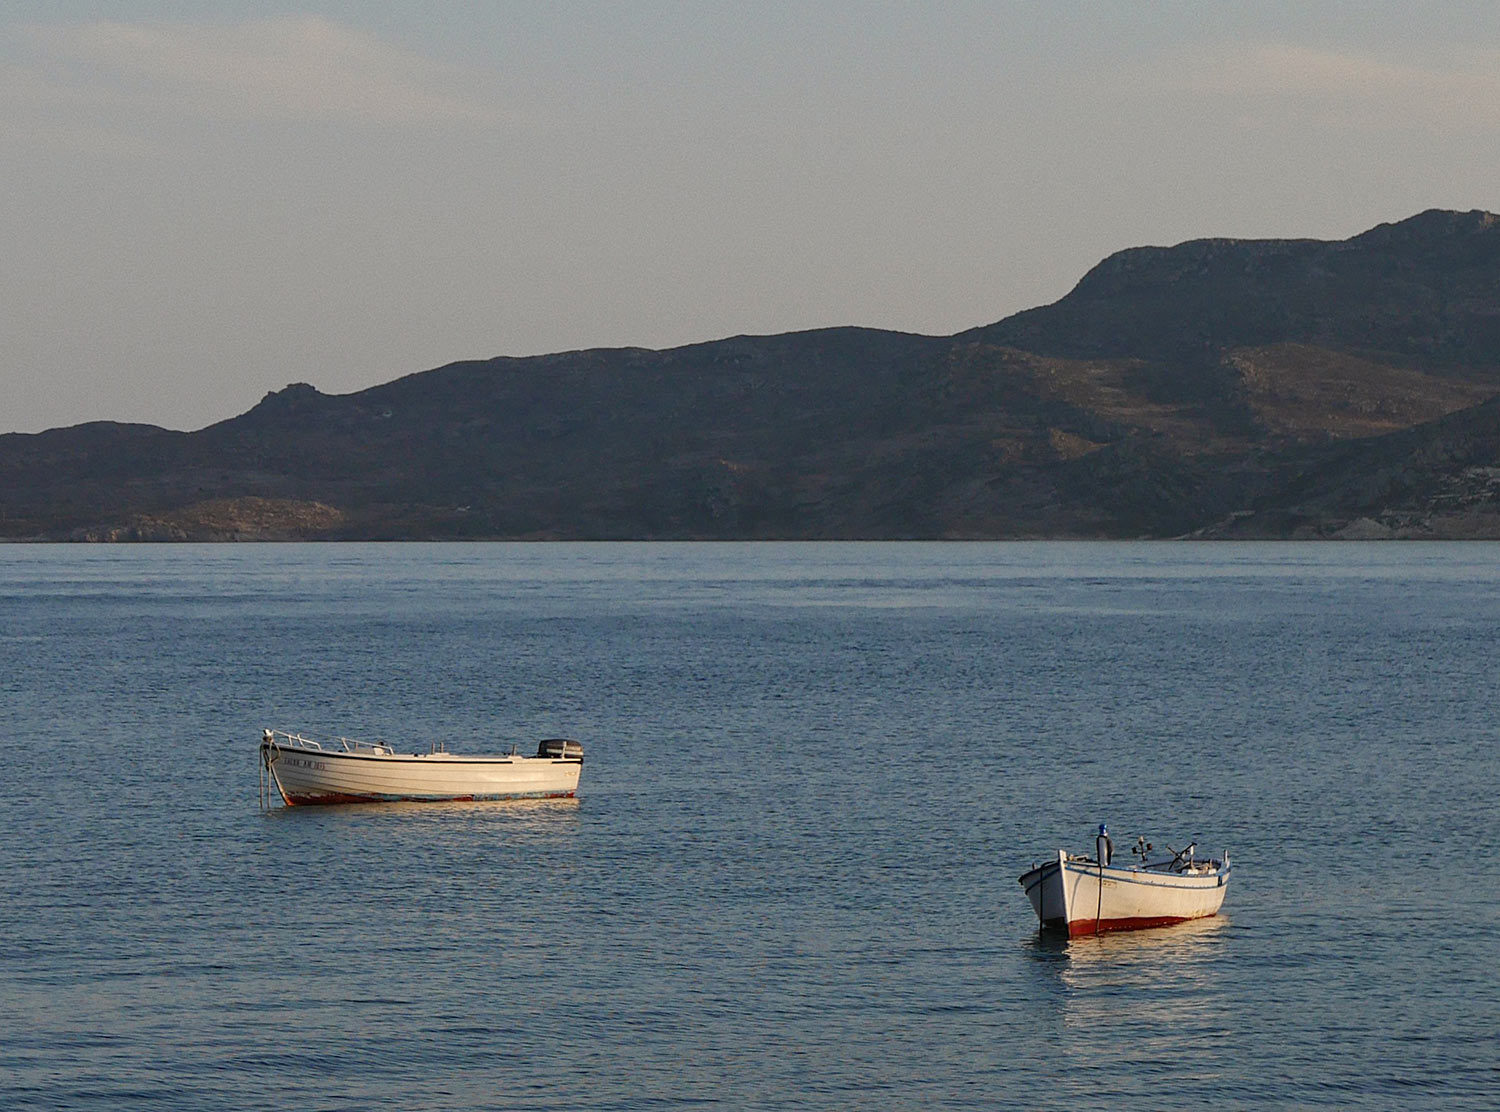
{"x":302,"y":771}
{"x":1091,"y":895}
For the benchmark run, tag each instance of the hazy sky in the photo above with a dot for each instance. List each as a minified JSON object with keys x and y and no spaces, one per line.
{"x":201,"y":202}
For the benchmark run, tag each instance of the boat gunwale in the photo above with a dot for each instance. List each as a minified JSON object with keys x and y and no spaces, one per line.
{"x":410,"y":758}
{"x":1133,"y":874}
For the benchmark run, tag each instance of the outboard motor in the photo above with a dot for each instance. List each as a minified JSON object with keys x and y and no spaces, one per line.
{"x":560,"y":749}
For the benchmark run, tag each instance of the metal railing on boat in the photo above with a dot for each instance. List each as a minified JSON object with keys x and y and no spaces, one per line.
{"x":344,"y":744}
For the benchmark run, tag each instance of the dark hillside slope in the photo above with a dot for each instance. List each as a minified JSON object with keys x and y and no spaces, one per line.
{"x":1425,"y":291}
{"x":1215,"y":388}
{"x":1433,"y":482}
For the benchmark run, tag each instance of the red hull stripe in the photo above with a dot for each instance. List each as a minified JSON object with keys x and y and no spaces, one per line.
{"x":294,"y":799}
{"x":1080,"y":927}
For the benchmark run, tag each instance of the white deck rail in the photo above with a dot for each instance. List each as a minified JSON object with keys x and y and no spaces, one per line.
{"x":345,"y":744}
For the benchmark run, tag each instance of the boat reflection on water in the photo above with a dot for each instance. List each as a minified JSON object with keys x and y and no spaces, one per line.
{"x":1181,"y":945}
{"x":1175,"y":949}
{"x":1159,"y":992}
{"x":519,"y":821}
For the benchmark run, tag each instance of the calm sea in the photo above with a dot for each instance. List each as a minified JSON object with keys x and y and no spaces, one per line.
{"x":814,"y":772}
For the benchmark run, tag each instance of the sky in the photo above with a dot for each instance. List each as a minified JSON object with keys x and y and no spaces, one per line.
{"x":204,"y":202}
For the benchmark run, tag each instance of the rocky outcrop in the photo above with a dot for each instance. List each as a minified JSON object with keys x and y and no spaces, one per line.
{"x":1438,"y":481}
{"x":226,"y":519}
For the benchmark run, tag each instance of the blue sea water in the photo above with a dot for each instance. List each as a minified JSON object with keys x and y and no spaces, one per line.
{"x":814,"y":772}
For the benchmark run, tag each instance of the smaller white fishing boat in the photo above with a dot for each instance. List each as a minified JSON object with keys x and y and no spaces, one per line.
{"x":303,"y":771}
{"x":1091,"y":895}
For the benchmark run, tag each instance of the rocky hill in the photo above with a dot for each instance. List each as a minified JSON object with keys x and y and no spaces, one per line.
{"x":1220,"y":388}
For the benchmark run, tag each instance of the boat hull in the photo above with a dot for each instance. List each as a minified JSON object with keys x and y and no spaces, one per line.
{"x":304,"y":776}
{"x":1075,"y":895}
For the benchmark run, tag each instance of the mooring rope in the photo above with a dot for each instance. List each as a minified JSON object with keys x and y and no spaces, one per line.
{"x":1099,"y":907}
{"x":271,"y":753}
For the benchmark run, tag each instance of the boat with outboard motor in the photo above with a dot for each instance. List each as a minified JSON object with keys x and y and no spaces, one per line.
{"x":1091,"y":895}
{"x":303,"y":771}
